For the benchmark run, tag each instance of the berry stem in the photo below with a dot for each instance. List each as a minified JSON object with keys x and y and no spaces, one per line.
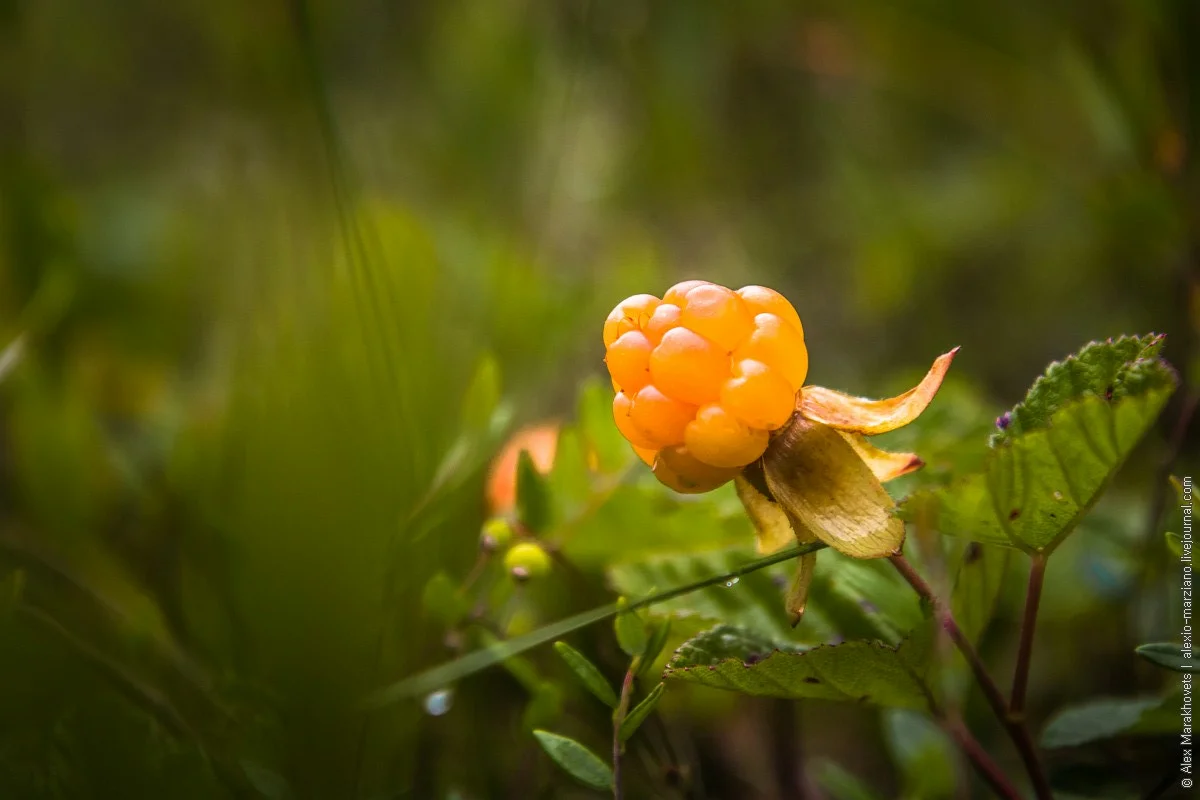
{"x":1013,"y":726}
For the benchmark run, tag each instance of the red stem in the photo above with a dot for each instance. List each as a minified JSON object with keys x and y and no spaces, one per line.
{"x":1033,"y":595}
{"x":1015,"y":728}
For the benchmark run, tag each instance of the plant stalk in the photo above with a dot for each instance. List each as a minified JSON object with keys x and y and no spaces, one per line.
{"x":618,"y":720}
{"x":1015,"y":728}
{"x":1033,"y":596}
{"x":987,"y":769}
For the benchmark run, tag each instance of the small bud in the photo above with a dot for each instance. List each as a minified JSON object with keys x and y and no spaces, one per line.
{"x":526,"y":560}
{"x":1004,"y":420}
{"x":496,"y":534}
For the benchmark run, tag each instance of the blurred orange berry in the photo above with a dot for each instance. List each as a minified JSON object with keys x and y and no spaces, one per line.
{"x":542,"y":443}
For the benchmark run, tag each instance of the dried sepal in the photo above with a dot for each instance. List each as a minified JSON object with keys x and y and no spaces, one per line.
{"x":870,"y":417}
{"x":884,"y":465}
{"x":797,"y":596}
{"x":825,"y":487}
{"x":772,"y":530}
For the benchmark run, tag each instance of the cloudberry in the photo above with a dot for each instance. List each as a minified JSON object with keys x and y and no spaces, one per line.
{"x":703,"y":377}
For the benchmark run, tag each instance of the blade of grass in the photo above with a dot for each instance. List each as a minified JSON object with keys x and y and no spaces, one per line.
{"x":440,"y":676}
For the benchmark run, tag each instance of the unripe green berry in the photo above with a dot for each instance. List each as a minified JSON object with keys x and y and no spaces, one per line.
{"x":526,"y":560}
{"x":496,"y":534}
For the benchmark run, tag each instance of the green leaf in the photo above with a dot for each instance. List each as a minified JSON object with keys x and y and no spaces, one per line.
{"x":598,"y":429}
{"x":654,"y":647}
{"x":533,"y":498}
{"x":924,"y":754}
{"x":638,"y":713}
{"x":755,"y":601}
{"x":1099,"y":369}
{"x":1063,"y":444}
{"x":630,"y":630}
{"x":482,"y":397}
{"x":588,"y":674}
{"x":1168,"y":655}
{"x":849,"y":598}
{"x":1174,"y":543}
{"x":1096,"y":719}
{"x":727,"y":657}
{"x":977,"y":586}
{"x":442,"y":600}
{"x":582,"y":764}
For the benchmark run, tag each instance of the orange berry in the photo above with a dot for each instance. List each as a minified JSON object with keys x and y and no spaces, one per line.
{"x":718,"y":438}
{"x":661,"y":419}
{"x":718,"y":314}
{"x":679,"y":291}
{"x":628,"y":360}
{"x":646,"y":454}
{"x":688,"y":367}
{"x":629,"y":315}
{"x":758,"y":395}
{"x":761,"y":300}
{"x":678,"y":469}
{"x":665,"y":317}
{"x":622,"y":415}
{"x":778,"y":345}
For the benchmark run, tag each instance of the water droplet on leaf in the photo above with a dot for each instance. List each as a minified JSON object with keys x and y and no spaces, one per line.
{"x":439,"y":702}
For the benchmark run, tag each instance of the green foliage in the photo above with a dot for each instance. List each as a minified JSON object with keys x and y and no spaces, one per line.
{"x":587,"y":672}
{"x":533,"y":502}
{"x":1072,"y":432}
{"x":637,"y":715}
{"x":924,"y":754}
{"x":442,"y":599}
{"x":1096,"y":720}
{"x":630,"y":630}
{"x":1168,"y":655}
{"x":580,"y":763}
{"x":727,"y":657}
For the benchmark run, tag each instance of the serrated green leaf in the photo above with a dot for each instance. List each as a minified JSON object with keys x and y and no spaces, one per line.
{"x":1046,"y":472}
{"x":588,"y":674}
{"x":1168,"y":655}
{"x":533,"y":497}
{"x":579,"y":762}
{"x":442,"y":600}
{"x":637,"y":715}
{"x":755,"y":601}
{"x":726,"y":657}
{"x":1100,"y":369}
{"x":923,"y":753}
{"x":630,"y":630}
{"x":1096,"y":719}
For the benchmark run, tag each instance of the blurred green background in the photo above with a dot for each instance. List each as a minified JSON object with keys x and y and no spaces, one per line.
{"x":252,"y":254}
